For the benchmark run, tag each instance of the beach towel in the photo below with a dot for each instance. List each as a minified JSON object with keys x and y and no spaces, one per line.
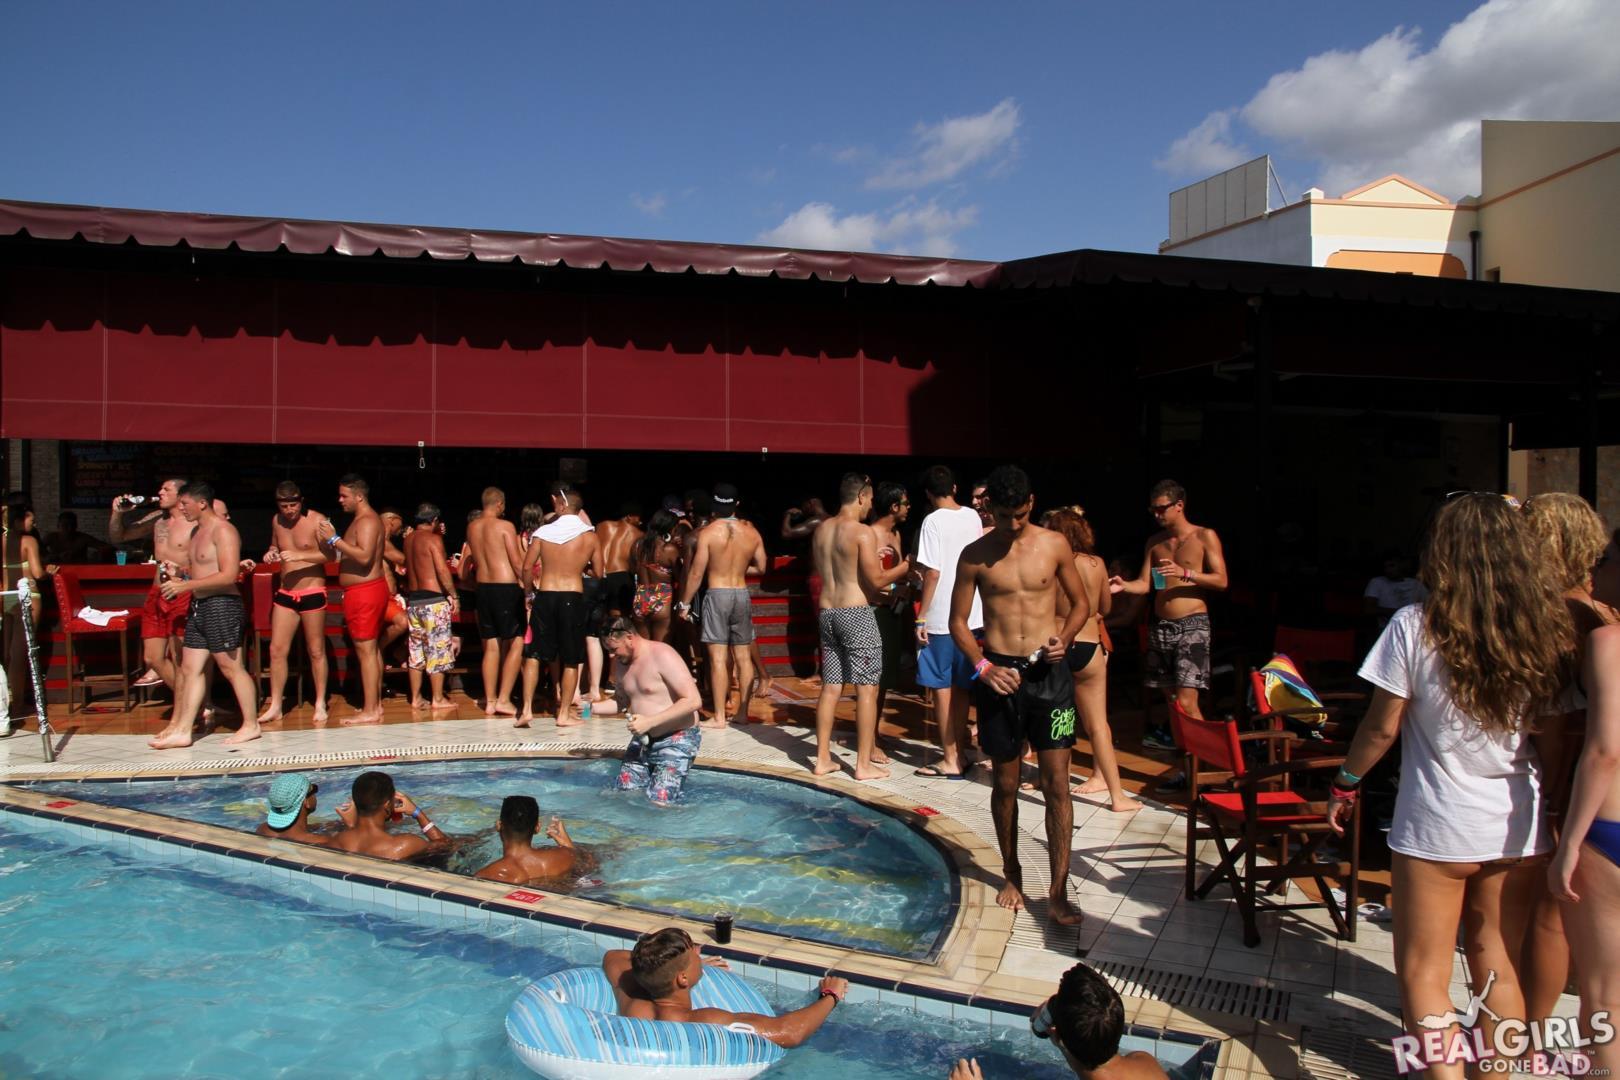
{"x":1287,"y":690}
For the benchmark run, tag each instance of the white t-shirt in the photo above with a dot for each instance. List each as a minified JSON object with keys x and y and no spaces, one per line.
{"x":944,"y":534}
{"x":1393,"y":595}
{"x":1466,"y":795}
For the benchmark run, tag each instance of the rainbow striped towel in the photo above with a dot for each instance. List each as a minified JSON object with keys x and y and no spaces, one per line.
{"x":1287,"y":690}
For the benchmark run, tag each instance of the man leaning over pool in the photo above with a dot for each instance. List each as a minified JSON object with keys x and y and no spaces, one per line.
{"x":654,"y":981}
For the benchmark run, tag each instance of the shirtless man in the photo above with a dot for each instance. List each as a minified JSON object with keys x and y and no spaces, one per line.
{"x":213,"y":620}
{"x":374,"y":802}
{"x":659,"y":699}
{"x":845,"y":553}
{"x":365,"y":590}
{"x":162,"y":621}
{"x":1023,"y":689}
{"x":431,"y":606}
{"x":654,"y":981}
{"x":619,"y":539}
{"x":300,"y":598}
{"x":891,"y":506}
{"x":564,"y":548}
{"x":497,"y":563}
{"x":727,"y":548}
{"x":292,"y":800}
{"x":1184,"y":563}
{"x":521,"y":862}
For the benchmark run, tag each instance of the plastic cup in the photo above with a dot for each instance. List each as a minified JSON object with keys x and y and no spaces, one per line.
{"x":1158,"y":579}
{"x":122,"y":557}
{"x":722,"y":928}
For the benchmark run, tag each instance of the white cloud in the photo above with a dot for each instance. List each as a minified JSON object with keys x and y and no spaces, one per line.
{"x":651,"y":205}
{"x":1392,"y":106}
{"x":1206,"y":149}
{"x":941,"y":151}
{"x":910,"y":228}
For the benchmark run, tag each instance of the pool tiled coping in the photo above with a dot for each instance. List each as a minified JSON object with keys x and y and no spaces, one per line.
{"x":962,"y":975}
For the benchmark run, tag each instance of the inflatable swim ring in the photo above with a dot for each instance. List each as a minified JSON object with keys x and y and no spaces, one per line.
{"x":567,"y":1027}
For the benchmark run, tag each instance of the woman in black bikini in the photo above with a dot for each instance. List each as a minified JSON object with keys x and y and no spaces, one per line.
{"x":1088,"y":657}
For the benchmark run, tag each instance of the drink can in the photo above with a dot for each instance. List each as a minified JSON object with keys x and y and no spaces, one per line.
{"x":722,"y":927}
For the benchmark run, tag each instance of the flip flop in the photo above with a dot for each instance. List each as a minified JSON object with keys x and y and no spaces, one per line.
{"x":1375,"y":913}
{"x":151,"y":678}
{"x":934,"y":772}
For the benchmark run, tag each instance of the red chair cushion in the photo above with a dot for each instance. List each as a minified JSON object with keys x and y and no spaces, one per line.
{"x":1230,"y":805}
{"x":78,"y":626}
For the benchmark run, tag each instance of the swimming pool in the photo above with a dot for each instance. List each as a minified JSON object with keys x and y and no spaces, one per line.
{"x":786,"y":858}
{"x":135,"y":961}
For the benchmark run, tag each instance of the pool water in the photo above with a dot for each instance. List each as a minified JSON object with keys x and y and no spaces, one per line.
{"x":131,"y":965}
{"x":784,"y":857}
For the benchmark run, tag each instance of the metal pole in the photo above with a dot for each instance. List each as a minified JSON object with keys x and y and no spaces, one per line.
{"x":25,"y":602}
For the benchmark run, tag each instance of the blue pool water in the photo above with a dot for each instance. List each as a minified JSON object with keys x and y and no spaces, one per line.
{"x":131,"y":965}
{"x":784,"y":857}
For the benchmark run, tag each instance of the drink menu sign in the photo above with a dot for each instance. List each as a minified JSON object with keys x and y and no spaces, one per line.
{"x":94,"y":473}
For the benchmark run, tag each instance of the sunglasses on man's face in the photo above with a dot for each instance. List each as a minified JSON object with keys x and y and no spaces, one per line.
{"x":1160,"y":508}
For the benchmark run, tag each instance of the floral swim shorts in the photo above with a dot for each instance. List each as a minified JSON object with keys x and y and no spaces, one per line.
{"x":661,"y":767}
{"x":651,"y":600}
{"x":430,"y":644}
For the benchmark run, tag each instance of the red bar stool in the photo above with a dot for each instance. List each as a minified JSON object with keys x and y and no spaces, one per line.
{"x":69,"y":602}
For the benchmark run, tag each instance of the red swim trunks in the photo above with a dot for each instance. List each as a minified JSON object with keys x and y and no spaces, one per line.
{"x":363,"y":606}
{"x":162,"y":618}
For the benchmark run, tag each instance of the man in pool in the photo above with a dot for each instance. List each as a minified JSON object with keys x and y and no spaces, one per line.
{"x":659,"y":699}
{"x":292,"y":800}
{"x":521,"y":861}
{"x":1085,"y":1020}
{"x":366,"y":822}
{"x":1023,"y":692}
{"x":654,"y":981}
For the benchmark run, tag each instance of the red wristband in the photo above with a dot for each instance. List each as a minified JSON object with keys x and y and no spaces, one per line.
{"x":1343,"y":794}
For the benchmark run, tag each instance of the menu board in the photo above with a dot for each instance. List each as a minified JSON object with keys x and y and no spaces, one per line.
{"x":95,"y":473}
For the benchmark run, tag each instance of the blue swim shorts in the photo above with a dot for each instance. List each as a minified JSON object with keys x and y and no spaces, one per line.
{"x":661,"y":768}
{"x":941,"y":665}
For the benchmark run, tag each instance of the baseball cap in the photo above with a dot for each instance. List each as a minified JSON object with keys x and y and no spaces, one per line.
{"x":287,"y":794}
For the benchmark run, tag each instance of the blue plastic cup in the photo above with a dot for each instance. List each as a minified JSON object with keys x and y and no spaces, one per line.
{"x":1158,"y":579}
{"x":122,"y":557}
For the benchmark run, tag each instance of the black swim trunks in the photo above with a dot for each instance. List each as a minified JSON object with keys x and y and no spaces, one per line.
{"x":301,"y":600}
{"x":214,"y":623}
{"x":500,"y":610}
{"x":557,"y":628}
{"x":1040,"y":711}
{"x":619,"y":591}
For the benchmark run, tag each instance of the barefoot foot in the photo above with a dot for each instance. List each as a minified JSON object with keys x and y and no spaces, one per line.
{"x":170,"y":742}
{"x":871,"y":772}
{"x":1125,"y":805}
{"x":320,"y":714}
{"x":1062,"y":913}
{"x":522,"y":721}
{"x":1095,"y":786}
{"x":822,"y":768}
{"x":246,"y":733}
{"x":361,"y":718}
{"x":271,"y":714}
{"x":442,"y":703}
{"x":713,"y":724}
{"x":1011,"y":895}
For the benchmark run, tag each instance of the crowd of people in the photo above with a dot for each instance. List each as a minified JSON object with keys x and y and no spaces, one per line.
{"x":1496,"y":715}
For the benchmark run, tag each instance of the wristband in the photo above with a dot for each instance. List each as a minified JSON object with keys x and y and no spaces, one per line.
{"x":981,"y":667}
{"x":832,"y":994}
{"x":331,"y":541}
{"x":1347,"y":795}
{"x":1346,"y":779}
{"x":417,"y":814}
{"x":424,"y":823}
{"x":1187,"y":575}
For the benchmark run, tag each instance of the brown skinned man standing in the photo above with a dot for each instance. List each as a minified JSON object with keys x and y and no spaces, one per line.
{"x":300,"y":600}
{"x":365,"y":590}
{"x":431,"y":607}
{"x":1022,"y":688}
{"x":727,"y":549}
{"x":163,"y":622}
{"x":497,"y":562}
{"x":563,"y":549}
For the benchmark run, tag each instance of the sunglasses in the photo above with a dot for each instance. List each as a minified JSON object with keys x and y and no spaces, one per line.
{"x":1160,"y":508}
{"x":1040,"y":1025}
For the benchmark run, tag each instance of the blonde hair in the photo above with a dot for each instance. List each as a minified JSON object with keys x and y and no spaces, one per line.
{"x":1495,"y":612}
{"x":1571,"y":534}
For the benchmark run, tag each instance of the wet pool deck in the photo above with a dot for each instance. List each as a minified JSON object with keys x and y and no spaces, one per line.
{"x":1329,"y":1012}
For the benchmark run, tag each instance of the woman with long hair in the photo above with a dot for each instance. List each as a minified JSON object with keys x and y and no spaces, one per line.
{"x":1461,"y":676}
{"x":1571,"y":537}
{"x":1585,"y":870}
{"x":1088,"y":659}
{"x":22,"y":563}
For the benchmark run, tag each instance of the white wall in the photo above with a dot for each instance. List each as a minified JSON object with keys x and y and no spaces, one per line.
{"x":1281,"y":237}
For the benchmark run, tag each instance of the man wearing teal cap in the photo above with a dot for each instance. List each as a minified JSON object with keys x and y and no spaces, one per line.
{"x":292,"y":800}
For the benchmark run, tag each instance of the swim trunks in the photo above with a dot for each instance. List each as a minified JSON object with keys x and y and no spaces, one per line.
{"x":652,"y":599}
{"x":1178,"y":652}
{"x":395,"y":608}
{"x":728,"y":617}
{"x":941,"y":665}
{"x":896,"y":654}
{"x":301,"y":600}
{"x":363,"y":606}
{"x":430,"y":647}
{"x":662,"y":766}
{"x":1080,"y":653}
{"x":500,"y":610}
{"x":595,"y":594}
{"x":1041,"y":711}
{"x":162,"y":618}
{"x":851,"y":649}
{"x":619,"y":591}
{"x":215,"y":623}
{"x":557,"y":623}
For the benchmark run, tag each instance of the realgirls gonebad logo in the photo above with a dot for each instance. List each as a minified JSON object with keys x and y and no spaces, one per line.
{"x":1551,"y":1047}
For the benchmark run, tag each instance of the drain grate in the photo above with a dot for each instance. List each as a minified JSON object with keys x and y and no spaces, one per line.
{"x":1334,"y":1053}
{"x":1186,"y":990}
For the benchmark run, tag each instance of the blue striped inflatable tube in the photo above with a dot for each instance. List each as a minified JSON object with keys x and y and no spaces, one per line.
{"x":567,"y":1027}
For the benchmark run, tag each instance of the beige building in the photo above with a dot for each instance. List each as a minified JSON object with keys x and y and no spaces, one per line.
{"x":1544,"y":215}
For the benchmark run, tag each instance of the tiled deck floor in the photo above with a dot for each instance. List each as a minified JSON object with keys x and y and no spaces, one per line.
{"x":1126,"y":872}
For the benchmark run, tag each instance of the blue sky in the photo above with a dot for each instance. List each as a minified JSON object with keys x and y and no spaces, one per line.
{"x":975,"y":130}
